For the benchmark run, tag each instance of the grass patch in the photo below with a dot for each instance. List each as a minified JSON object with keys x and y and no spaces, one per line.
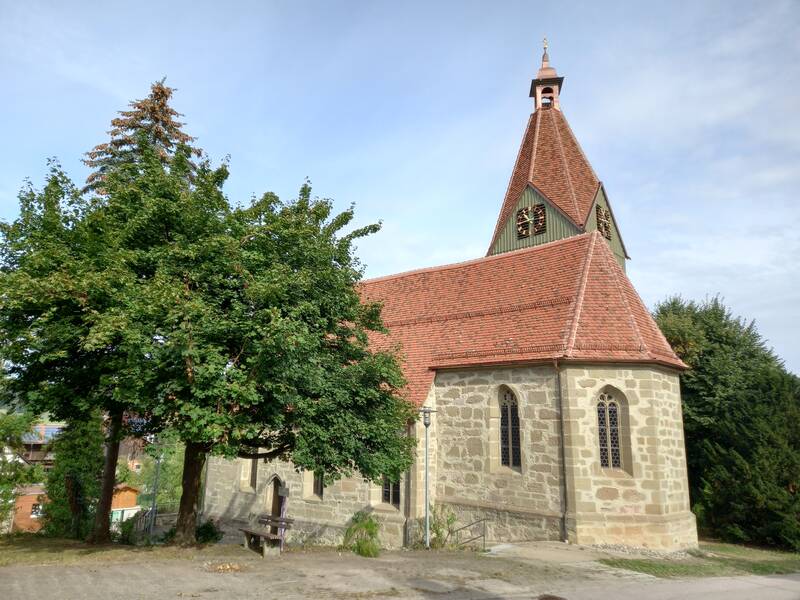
{"x":714,"y":560}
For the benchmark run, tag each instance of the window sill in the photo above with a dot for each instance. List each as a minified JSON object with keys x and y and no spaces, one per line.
{"x":386,"y":508}
{"x":615,"y":473}
{"x":505,"y":471}
{"x":247,"y":489}
{"x":313,"y":498}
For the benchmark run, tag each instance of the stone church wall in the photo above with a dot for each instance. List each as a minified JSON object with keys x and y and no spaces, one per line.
{"x":522,"y":503}
{"x":646,"y":503}
{"x":230,"y":500}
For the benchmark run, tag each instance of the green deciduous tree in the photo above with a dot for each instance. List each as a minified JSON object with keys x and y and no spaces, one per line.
{"x":742,"y":424}
{"x":61,"y":284}
{"x":74,"y":483}
{"x":252,"y":334}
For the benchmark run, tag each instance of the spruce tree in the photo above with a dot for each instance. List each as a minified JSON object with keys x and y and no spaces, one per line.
{"x":152,"y":117}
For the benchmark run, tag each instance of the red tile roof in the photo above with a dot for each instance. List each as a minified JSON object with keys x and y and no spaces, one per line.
{"x":566,"y":300}
{"x":551,"y":160}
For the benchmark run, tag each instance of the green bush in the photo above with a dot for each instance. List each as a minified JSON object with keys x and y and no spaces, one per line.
{"x":127,"y":532}
{"x":208,"y":533}
{"x":362,"y":535}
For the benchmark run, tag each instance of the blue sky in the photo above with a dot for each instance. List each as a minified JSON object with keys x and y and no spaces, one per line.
{"x":688,"y":112}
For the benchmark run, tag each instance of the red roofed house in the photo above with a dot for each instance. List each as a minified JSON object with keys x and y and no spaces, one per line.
{"x":558,"y":409}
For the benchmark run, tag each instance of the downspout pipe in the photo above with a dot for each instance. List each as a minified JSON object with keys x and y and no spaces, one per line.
{"x":562,"y":452}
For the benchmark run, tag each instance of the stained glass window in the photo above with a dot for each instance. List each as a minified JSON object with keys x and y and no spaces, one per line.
{"x":608,"y":432}
{"x":510,"y":455}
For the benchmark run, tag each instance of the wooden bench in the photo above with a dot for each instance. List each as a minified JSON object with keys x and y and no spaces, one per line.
{"x":262,"y":537}
{"x":266,"y":535}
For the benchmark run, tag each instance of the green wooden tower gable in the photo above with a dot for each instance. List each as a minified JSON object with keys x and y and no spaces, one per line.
{"x":557,"y":226}
{"x":617,"y":246}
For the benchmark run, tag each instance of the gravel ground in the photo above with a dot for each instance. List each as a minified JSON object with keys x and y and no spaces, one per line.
{"x":241,"y":575}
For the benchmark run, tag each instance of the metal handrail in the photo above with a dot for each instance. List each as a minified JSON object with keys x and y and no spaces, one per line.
{"x":473,"y":538}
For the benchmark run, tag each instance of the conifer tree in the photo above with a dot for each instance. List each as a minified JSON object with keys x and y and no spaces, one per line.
{"x":152,"y":117}
{"x":741,"y":412}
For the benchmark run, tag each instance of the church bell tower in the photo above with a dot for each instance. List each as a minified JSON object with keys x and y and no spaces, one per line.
{"x":546,"y":88}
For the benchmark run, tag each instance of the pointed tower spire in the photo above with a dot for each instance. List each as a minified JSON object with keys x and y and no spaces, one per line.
{"x":546,"y":88}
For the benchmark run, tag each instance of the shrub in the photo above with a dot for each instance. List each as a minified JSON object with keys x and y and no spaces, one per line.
{"x":362,"y":535}
{"x":442,"y":524}
{"x":127,"y":532}
{"x":208,"y":533}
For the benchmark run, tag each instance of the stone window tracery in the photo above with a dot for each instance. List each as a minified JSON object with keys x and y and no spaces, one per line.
{"x":510,"y":454}
{"x":608,"y":420}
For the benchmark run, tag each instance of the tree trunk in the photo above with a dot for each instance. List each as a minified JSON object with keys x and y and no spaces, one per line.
{"x":194,"y":457}
{"x":102,"y":518}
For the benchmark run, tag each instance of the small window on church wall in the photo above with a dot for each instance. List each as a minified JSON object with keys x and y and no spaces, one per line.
{"x":319,"y":485}
{"x":510,"y":455}
{"x":603,"y":221}
{"x":391,"y":492}
{"x":254,"y":473}
{"x":523,"y":222}
{"x":608,"y":431}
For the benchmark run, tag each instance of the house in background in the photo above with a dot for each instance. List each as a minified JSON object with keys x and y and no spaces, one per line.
{"x":36,"y":443}
{"x":124,"y":504}
{"x":28,"y":508}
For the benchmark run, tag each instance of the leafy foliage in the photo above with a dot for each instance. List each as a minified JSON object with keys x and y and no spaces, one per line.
{"x":73,"y":483}
{"x":169,"y":447}
{"x":14,"y":472}
{"x":240,"y":328}
{"x":361,"y":536}
{"x":742,"y":424}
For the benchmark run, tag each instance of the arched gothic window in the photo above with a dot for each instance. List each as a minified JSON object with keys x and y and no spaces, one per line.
{"x":509,"y":430}
{"x":608,"y":420}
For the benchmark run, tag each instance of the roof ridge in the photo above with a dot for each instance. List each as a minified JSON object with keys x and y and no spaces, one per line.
{"x":500,"y":221}
{"x":578,"y":144}
{"x":566,"y":167}
{"x":659,"y":333}
{"x":569,"y":343}
{"x":501,"y":256}
{"x":615,"y":273}
{"x":535,"y":146}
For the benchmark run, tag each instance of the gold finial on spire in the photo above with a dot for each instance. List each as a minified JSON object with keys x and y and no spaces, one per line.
{"x":545,"y":57}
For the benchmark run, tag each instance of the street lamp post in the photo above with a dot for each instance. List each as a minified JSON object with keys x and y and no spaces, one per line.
{"x":426,"y":420}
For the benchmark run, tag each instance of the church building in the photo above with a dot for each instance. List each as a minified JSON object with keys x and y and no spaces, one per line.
{"x":556,"y":396}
